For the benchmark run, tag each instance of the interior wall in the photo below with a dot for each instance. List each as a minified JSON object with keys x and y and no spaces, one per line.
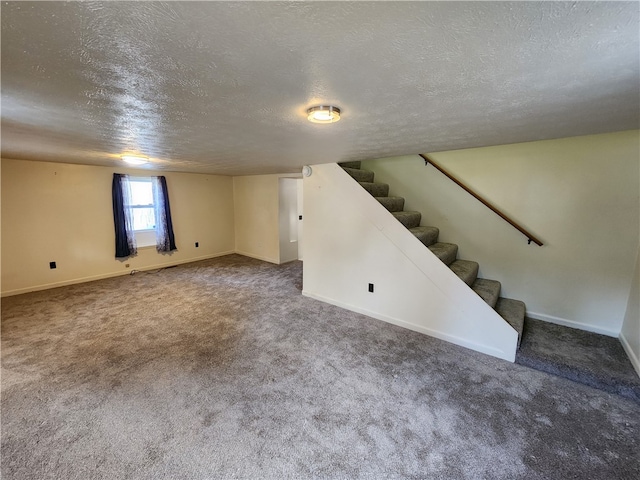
{"x":579,"y":195}
{"x":288,"y":219}
{"x":63,"y":213}
{"x":630,"y":334}
{"x":351,"y":241}
{"x":257,"y":216}
{"x":300,"y":182}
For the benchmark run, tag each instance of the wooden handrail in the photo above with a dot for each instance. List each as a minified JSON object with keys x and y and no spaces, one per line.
{"x":529,"y":235}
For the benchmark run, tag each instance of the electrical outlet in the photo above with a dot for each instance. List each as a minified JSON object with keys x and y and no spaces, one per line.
{"x":126,"y":265}
{"x":196,"y":244}
{"x":52,"y":265}
{"x":371,"y":287}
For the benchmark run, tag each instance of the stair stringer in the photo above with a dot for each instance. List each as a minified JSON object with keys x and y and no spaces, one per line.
{"x":351,"y":240}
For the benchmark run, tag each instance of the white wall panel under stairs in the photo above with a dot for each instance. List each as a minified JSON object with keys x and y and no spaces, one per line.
{"x":351,"y":240}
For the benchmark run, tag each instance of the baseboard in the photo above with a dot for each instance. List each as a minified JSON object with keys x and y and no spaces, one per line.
{"x":257,"y":257}
{"x":494,"y":352}
{"x":573,"y":324}
{"x":93,"y":278}
{"x":635,"y":361}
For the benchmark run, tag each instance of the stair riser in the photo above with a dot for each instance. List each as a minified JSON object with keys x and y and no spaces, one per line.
{"x":376,"y":189}
{"x":466,"y":270}
{"x":408,"y":219}
{"x":350,"y":164}
{"x":447,"y":254}
{"x":427,"y":237}
{"x":393,"y":204}
{"x":513,"y":311}
{"x":360,"y":175}
{"x":488,"y":290}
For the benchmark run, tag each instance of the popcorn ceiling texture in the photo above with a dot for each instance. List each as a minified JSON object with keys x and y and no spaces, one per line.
{"x":222,"y":87}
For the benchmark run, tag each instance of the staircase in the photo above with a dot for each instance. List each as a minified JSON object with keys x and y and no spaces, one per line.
{"x":512,"y":311}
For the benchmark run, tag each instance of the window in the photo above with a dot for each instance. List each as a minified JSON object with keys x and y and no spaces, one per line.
{"x":141,"y":214}
{"x":143,"y":211}
{"x":142,"y":204}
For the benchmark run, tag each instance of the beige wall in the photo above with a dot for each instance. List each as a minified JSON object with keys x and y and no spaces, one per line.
{"x":257,"y":216}
{"x":63,"y":213}
{"x":579,"y":195}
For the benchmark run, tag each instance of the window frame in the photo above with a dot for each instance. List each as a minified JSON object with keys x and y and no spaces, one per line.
{"x":145,"y":237}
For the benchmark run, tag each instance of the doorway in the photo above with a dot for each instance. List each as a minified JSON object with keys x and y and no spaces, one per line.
{"x":290,"y":219}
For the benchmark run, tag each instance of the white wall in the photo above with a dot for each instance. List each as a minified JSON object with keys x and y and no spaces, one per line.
{"x":288,"y":218}
{"x":579,"y":195}
{"x":257,"y":214}
{"x":63,"y":213}
{"x":630,"y":334}
{"x":300,"y":200}
{"x":351,"y":240}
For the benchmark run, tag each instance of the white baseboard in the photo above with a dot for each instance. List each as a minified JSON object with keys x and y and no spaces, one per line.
{"x":573,"y":324}
{"x":92,"y":278}
{"x":257,"y":257}
{"x":635,"y":361}
{"x":494,"y":352}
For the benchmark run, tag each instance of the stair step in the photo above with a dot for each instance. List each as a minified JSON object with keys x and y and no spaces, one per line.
{"x":350,"y":164}
{"x":360,"y":175}
{"x":513,"y":312}
{"x":489,"y":290}
{"x":408,"y":219}
{"x":376,"y":189}
{"x":466,"y":270}
{"x":393,"y":204}
{"x":446,"y":252}
{"x":427,"y":235}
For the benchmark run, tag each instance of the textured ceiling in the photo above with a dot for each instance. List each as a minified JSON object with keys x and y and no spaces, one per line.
{"x":222,"y":87}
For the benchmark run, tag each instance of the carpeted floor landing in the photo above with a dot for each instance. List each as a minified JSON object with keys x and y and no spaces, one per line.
{"x":585,"y":357}
{"x":222,"y":369}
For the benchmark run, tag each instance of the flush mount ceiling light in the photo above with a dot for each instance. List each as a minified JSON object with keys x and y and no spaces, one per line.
{"x":134,"y":160}
{"x":323,"y":114}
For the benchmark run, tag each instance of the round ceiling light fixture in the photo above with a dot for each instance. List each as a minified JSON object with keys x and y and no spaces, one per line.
{"x":323,"y":114}
{"x":134,"y":159}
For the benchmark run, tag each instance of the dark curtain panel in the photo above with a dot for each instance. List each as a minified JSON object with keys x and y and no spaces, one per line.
{"x":166,"y":242}
{"x":123,"y":244}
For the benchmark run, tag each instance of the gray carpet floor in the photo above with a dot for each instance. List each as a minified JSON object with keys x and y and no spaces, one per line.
{"x":595,"y":360}
{"x":222,"y":369}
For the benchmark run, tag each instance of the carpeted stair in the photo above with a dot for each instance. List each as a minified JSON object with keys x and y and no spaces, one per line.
{"x":583,"y":357}
{"x":513,"y":311}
